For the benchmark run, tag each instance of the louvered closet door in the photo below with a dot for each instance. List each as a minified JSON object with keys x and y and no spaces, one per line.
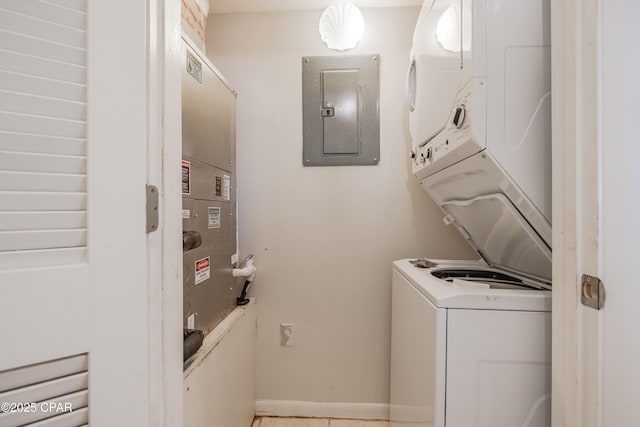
{"x":73,"y":257}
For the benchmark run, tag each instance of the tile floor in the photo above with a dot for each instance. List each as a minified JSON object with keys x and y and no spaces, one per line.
{"x":314,"y":422}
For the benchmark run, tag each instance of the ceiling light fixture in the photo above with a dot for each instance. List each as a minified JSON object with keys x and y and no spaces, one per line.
{"x":341,"y":26}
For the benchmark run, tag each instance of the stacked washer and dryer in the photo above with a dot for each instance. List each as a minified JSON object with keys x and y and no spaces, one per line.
{"x":471,"y":341}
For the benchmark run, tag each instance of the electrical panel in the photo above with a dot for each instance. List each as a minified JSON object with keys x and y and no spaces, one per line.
{"x":341,"y":110}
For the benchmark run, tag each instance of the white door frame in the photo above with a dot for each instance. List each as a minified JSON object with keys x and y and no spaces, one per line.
{"x":595,"y":202}
{"x":155,"y":341}
{"x":575,"y":88}
{"x":163,"y":323}
{"x":165,"y":254}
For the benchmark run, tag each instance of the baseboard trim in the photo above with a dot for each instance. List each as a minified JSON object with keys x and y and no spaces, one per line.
{"x":295,"y":408}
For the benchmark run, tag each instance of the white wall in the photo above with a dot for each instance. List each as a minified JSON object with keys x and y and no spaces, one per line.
{"x":324,"y":237}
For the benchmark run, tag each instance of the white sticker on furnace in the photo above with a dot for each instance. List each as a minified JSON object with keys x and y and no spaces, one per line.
{"x":203,"y":269}
{"x":214,"y":218}
{"x":226,"y":187}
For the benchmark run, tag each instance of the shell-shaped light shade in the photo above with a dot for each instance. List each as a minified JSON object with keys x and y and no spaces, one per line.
{"x":341,"y":26}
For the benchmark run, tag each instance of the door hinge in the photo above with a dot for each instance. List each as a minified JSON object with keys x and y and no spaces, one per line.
{"x":152,"y":208}
{"x":593,"y":293}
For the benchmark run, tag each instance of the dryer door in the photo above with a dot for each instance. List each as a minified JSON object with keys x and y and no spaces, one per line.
{"x":435,"y":70}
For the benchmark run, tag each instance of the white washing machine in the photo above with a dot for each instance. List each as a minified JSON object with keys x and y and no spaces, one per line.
{"x":471,"y":346}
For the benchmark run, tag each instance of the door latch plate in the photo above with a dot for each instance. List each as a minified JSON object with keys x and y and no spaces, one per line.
{"x":592,"y":292}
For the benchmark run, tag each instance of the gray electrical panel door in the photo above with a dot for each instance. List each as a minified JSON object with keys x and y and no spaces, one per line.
{"x":341,"y":110}
{"x":208,"y":193}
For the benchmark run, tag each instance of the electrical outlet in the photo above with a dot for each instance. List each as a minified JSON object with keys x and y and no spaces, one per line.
{"x":191,"y":321}
{"x":286,"y":334}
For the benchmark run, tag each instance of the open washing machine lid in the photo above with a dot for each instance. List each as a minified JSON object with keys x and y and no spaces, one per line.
{"x":500,"y":234}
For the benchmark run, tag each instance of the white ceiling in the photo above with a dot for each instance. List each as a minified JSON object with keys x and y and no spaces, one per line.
{"x":235,"y":6}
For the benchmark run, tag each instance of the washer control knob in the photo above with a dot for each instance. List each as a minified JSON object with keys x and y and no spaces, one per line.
{"x":459,"y":116}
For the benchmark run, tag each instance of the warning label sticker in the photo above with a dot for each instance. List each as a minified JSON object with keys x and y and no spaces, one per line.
{"x":186,"y":177}
{"x":218,"y":186}
{"x":226,"y":187}
{"x":194,"y":67}
{"x":203,"y":269}
{"x":214,"y":218}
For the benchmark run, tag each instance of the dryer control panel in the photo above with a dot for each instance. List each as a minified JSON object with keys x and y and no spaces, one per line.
{"x":462,"y":136}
